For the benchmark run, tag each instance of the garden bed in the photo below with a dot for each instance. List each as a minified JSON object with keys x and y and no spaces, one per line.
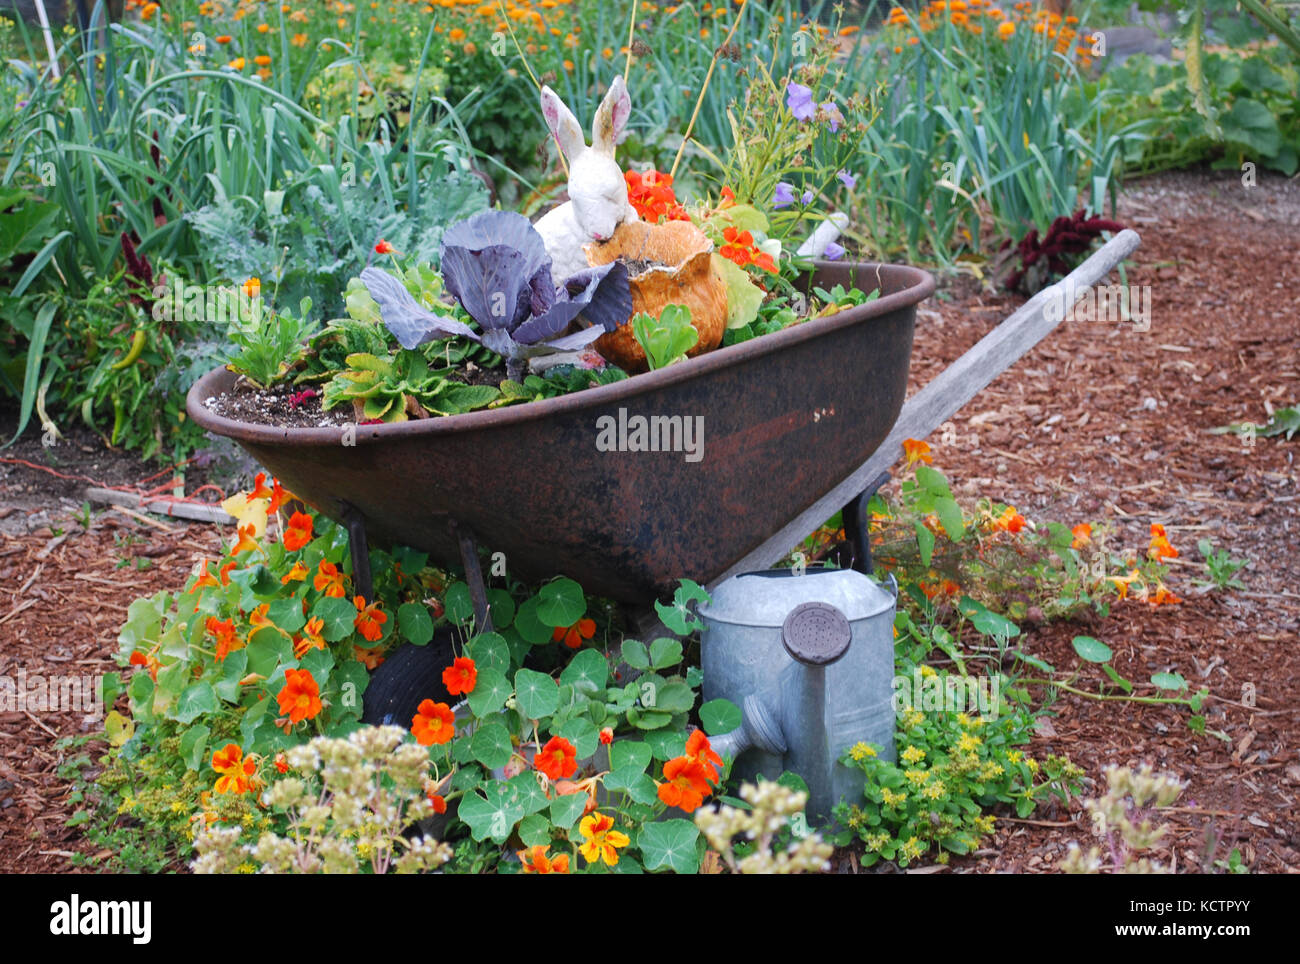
{"x":1221,"y":343}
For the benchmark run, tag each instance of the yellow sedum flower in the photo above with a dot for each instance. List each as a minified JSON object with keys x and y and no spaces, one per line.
{"x":933,"y":791}
{"x":912,"y":755}
{"x":968,"y":743}
{"x":892,"y":798}
{"x":912,"y":718}
{"x":917,"y":777}
{"x":912,"y":849}
{"x":876,"y":840}
{"x":861,"y":751}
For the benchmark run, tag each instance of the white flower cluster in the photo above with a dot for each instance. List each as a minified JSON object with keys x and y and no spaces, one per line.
{"x":773,"y":806}
{"x":348,"y":808}
{"x":1122,"y":817}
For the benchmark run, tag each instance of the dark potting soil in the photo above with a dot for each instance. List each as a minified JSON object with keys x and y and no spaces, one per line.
{"x":299,"y":406}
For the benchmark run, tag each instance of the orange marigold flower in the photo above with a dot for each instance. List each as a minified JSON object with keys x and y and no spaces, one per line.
{"x":602,"y":840}
{"x":699,"y":750}
{"x":298,"y":573}
{"x":558,"y":759}
{"x":575,"y":634}
{"x":686,"y":784}
{"x":236,"y":771}
{"x":298,"y":534}
{"x":300,"y":39}
{"x":224,"y":631}
{"x":329,"y":580}
{"x":1006,"y":28}
{"x":460,"y":677}
{"x":262,"y":60}
{"x":537,"y":861}
{"x":300,"y":697}
{"x":434,"y":723}
{"x":1082,"y":535}
{"x":223,"y":38}
{"x":370,"y":619}
{"x":916,"y":451}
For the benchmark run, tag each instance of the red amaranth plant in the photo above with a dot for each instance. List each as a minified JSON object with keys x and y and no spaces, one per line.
{"x":1042,"y":259}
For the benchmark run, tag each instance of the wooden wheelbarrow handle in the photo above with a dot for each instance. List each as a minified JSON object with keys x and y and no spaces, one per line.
{"x":948,"y":393}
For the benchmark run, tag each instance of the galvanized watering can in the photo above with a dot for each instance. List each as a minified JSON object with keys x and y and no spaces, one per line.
{"x":809,"y":659}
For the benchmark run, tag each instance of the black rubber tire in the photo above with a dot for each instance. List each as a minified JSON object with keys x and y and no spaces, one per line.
{"x":407,"y":676}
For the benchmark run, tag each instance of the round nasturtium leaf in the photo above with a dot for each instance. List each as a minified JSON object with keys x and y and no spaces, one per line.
{"x":1092,"y":650}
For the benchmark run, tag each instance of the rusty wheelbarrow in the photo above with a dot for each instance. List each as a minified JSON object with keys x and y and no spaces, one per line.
{"x":758,"y":444}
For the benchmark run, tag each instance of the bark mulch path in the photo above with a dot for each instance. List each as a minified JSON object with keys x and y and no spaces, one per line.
{"x":1098,"y":423}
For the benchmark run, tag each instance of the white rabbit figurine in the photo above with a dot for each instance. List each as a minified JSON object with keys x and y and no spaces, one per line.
{"x":597,"y":192}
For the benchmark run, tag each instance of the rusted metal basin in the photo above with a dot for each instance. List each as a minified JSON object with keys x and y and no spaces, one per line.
{"x":784,"y":418}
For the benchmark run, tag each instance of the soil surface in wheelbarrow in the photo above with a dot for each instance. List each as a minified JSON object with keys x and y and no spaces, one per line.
{"x":1098,"y":423}
{"x":300,"y":406}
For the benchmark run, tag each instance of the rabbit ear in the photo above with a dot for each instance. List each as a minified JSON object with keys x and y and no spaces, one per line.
{"x":563,"y":124}
{"x":611,"y":117}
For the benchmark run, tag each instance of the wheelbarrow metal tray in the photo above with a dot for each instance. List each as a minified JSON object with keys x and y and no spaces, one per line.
{"x":784,"y":418}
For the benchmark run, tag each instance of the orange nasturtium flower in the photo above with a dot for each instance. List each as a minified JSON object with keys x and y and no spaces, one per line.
{"x":1082,"y":535}
{"x":1009,"y":521}
{"x":602,"y":840}
{"x":371,"y":658}
{"x":205,"y":578}
{"x":1160,"y":547}
{"x":916,"y":451}
{"x":245,"y":542}
{"x":370,"y":619}
{"x":259,"y":619}
{"x":300,"y":698}
{"x":686,"y":784}
{"x":1162,"y":596}
{"x":227,"y":639}
{"x":329,"y":580}
{"x":298,"y":573}
{"x":383,"y":247}
{"x":558,"y":759}
{"x":278,"y":495}
{"x":298,"y":534}
{"x":151,"y":663}
{"x":460,"y":677}
{"x":607,"y":735}
{"x":434,"y":723}
{"x":1123,"y":582}
{"x":310,"y":638}
{"x":260,"y":491}
{"x":537,"y":861}
{"x":575,"y":634}
{"x":236,"y":771}
{"x":699,"y":749}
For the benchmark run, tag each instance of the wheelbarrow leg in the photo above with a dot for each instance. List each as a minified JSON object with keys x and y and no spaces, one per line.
{"x":464,"y":537}
{"x":360,"y":549}
{"x":857,"y":526}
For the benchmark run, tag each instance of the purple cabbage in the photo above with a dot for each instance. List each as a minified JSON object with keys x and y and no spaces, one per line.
{"x":495,"y":264}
